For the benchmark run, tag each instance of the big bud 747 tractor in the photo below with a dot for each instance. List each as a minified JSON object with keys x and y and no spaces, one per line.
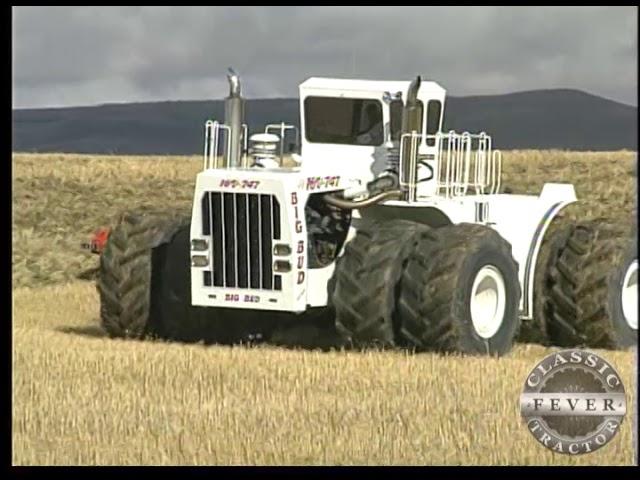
{"x":397,"y":229}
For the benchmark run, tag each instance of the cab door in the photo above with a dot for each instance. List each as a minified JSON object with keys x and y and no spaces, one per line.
{"x":345,"y":132}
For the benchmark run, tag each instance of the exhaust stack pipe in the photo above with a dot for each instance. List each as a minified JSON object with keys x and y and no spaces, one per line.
{"x":234,"y":118}
{"x":412,"y":112}
{"x":411,"y":122}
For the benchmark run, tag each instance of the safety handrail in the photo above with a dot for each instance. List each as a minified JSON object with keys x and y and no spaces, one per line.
{"x":463,"y":161}
{"x":212,"y":143}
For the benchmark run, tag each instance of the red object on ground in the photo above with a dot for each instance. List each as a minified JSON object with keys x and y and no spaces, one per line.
{"x":99,"y":239}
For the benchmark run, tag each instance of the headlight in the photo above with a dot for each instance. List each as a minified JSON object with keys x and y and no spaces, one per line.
{"x":199,"y":261}
{"x":281,"y":266}
{"x":281,"y":250}
{"x":199,"y":244}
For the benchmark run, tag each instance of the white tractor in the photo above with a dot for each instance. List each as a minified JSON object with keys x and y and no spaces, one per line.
{"x":397,"y":232}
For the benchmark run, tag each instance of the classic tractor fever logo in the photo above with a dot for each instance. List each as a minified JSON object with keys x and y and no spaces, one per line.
{"x":573,"y":402}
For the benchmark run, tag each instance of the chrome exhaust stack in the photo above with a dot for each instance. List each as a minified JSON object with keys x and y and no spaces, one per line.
{"x":411,"y":123}
{"x":234,"y":119}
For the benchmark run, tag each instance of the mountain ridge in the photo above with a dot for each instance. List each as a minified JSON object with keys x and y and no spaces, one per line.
{"x":541,"y":119}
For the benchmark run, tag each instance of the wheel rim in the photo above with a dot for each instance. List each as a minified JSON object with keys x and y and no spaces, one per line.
{"x":488,"y":301}
{"x":630,"y":295}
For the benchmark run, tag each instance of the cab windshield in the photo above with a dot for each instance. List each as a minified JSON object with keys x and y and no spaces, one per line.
{"x":347,"y":121}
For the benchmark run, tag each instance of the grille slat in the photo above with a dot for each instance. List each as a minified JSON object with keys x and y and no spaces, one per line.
{"x":206,"y":214}
{"x":242,"y":277}
{"x":275,"y":212}
{"x":266,"y":238}
{"x":254,"y":242}
{"x":260,"y":241}
{"x":229,"y":250}
{"x":216,"y":244}
{"x":248,"y":242}
{"x":242,"y":228}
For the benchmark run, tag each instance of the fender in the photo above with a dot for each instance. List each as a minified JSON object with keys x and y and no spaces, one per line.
{"x":566,"y":192}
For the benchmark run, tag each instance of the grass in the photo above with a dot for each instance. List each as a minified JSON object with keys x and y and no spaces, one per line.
{"x":81,"y":398}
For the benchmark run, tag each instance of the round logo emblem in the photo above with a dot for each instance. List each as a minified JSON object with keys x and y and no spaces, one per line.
{"x":573,"y":402}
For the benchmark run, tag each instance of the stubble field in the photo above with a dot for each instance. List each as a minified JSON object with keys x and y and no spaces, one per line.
{"x":82,"y":398}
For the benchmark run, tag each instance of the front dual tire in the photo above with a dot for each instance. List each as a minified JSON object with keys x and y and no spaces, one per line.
{"x":144,"y":285}
{"x":451,"y":289}
{"x":460,"y":292}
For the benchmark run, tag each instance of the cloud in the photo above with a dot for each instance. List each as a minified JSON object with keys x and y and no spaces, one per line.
{"x":86,"y":55}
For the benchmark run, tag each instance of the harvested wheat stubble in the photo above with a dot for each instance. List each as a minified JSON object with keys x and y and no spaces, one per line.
{"x":81,"y":398}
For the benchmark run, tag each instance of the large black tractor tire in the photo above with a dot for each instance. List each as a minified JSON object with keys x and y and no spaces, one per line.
{"x":126,"y":271}
{"x":364,"y":288}
{"x":593,"y":287}
{"x":435,"y":305}
{"x":535,"y":330}
{"x":145,"y":283}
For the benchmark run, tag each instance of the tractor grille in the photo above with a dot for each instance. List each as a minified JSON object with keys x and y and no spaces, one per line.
{"x":242,"y":228}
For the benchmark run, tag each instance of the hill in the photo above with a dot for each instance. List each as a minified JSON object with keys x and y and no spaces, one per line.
{"x":540,"y":119}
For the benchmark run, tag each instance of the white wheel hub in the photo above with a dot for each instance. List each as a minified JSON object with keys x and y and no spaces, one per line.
{"x":488,"y":301}
{"x":630,"y":295}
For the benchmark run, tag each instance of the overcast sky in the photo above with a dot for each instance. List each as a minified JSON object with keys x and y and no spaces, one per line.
{"x":65,"y":56}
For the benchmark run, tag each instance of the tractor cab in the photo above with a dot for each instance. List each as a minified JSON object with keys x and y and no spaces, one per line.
{"x":356,"y":125}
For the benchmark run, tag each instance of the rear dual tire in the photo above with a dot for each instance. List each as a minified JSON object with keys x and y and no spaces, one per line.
{"x":593,"y":298}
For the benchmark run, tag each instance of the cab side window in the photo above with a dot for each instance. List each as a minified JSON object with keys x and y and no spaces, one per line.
{"x":434,"y":110}
{"x":395,"y":112}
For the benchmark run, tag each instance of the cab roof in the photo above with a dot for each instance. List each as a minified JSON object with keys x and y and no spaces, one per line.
{"x":336,"y":84}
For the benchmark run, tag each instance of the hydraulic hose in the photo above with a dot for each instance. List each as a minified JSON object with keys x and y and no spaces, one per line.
{"x":344,"y":204}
